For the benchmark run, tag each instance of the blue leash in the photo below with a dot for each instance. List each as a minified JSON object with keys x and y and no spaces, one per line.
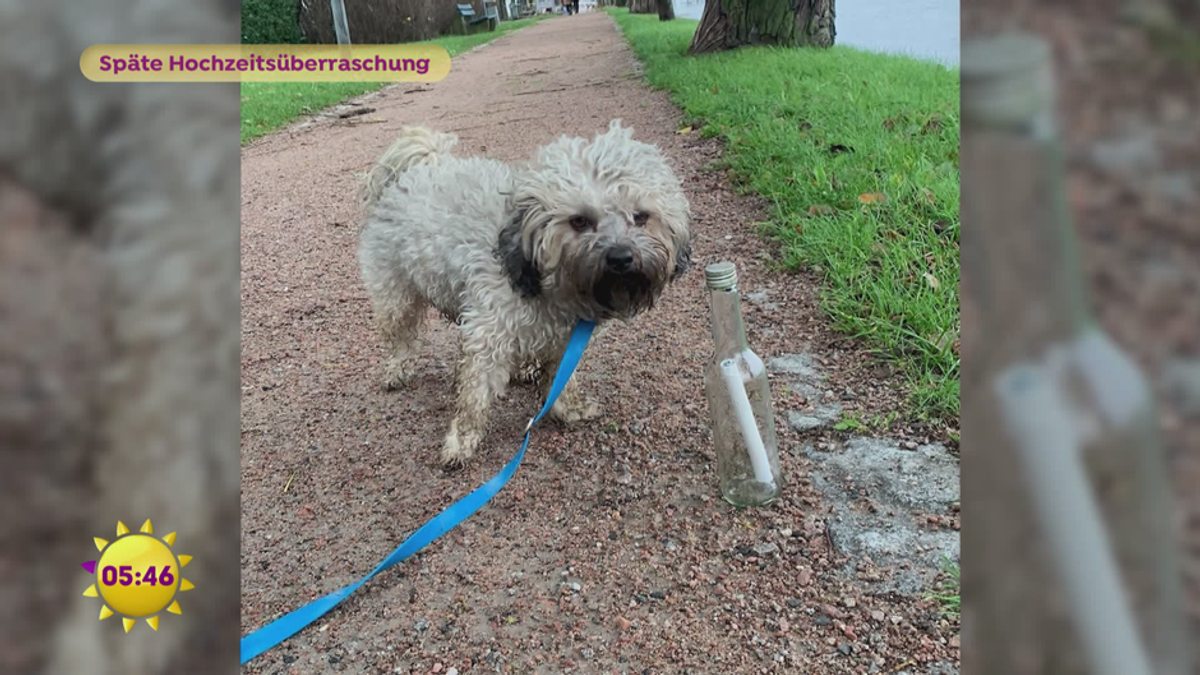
{"x":288,"y":625}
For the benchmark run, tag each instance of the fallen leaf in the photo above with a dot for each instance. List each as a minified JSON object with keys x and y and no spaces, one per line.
{"x":932,"y":281}
{"x":685,"y":130}
{"x":872,"y":198}
{"x":820,"y":210}
{"x":947,"y":340}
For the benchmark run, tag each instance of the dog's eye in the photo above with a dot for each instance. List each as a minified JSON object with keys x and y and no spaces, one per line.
{"x":640,"y":218}
{"x":581,"y":223}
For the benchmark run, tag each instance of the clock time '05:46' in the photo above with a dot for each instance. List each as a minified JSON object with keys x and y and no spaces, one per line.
{"x":123,"y":575}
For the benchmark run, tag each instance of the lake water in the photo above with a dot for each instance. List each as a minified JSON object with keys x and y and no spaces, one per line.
{"x":926,"y":29}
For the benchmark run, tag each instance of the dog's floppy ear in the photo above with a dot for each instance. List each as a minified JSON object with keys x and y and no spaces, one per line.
{"x":522,"y":273}
{"x":683,"y":260}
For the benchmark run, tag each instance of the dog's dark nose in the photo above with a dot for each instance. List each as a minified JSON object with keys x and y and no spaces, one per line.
{"x":619,"y":259}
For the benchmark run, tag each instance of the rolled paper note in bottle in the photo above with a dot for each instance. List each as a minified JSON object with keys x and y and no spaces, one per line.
{"x":739,"y":401}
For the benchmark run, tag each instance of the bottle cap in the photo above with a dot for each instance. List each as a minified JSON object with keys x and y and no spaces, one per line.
{"x":1007,"y":80}
{"x":721,"y":276}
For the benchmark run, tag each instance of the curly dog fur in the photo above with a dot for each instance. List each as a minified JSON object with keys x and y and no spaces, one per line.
{"x":516,"y":256}
{"x":119,"y":333}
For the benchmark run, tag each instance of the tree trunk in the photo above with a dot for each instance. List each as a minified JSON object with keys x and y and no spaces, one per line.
{"x":727,"y":24}
{"x":666,"y":10}
{"x":642,"y":7}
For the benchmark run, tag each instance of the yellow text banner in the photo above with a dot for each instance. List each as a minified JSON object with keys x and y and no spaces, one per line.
{"x":265,"y":63}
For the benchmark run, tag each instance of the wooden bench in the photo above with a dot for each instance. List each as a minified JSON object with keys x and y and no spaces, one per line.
{"x":523,"y":9}
{"x":469,"y":18}
{"x":491,"y":9}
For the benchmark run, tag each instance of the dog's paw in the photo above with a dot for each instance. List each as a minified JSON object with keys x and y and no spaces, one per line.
{"x":528,"y":373}
{"x":457,"y":450}
{"x":396,"y":374}
{"x":581,"y":411}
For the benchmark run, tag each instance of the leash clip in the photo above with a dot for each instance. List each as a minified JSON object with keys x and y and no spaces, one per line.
{"x":530,"y":425}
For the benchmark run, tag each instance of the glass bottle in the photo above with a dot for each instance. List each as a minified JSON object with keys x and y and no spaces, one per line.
{"x":1044,"y":387}
{"x":739,"y":400}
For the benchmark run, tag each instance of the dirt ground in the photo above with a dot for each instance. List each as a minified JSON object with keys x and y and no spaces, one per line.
{"x":610,"y":550}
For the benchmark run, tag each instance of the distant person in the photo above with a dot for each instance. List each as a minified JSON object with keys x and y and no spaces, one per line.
{"x":575,"y":6}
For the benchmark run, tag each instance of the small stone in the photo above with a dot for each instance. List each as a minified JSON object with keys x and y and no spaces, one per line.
{"x":804,"y":577}
{"x":844,"y":648}
{"x":850,"y":602}
{"x":785,"y":533}
{"x":576,"y":587}
{"x":623,"y":624}
{"x":794,"y":602}
{"x":896,"y":619}
{"x":452,"y":671}
{"x":658,"y":595}
{"x":421,"y":625}
{"x":833,"y":611}
{"x":878,"y":616}
{"x":437,"y":667}
{"x":910,"y":445}
{"x":765,"y":549}
{"x":848,"y":395}
{"x":822,"y":620}
{"x":955,"y":641}
{"x":784,"y":626}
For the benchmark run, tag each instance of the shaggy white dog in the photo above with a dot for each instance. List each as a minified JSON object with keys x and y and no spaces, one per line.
{"x":516,"y":256}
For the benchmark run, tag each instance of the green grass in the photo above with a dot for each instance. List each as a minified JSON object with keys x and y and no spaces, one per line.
{"x":857,"y":153}
{"x":949,"y":593}
{"x":270,"y":106}
{"x":853,"y":422}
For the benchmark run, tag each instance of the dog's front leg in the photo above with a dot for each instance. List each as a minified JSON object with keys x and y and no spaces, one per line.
{"x":572,"y":406}
{"x":483,"y":375}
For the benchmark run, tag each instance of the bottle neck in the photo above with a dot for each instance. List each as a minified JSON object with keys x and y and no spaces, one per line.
{"x":1022,"y":281}
{"x":729,"y":332}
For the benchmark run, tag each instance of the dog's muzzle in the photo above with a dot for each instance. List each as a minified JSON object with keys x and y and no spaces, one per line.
{"x":624,"y":293}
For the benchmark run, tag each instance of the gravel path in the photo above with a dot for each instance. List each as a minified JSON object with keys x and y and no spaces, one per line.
{"x":609,"y":550}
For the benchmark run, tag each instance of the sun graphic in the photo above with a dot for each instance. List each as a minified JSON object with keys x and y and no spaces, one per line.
{"x":137,"y":576}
